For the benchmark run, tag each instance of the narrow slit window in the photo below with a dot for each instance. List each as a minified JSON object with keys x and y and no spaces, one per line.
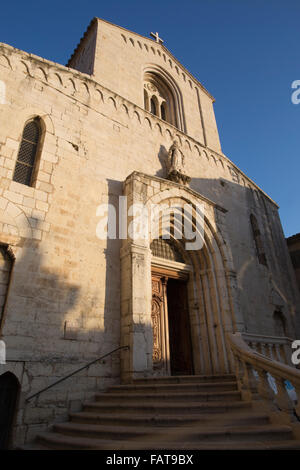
{"x":26,"y":159}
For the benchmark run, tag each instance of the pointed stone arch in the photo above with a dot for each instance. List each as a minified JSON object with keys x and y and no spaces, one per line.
{"x":211,"y":268}
{"x":213,"y":307}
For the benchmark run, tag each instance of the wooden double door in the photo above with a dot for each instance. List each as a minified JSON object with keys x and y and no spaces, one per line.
{"x":172,"y":346}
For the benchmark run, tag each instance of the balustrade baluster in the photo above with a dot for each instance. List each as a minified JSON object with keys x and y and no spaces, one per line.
{"x":278,"y":353}
{"x":272,"y":375}
{"x":282,"y":397}
{"x":274,"y":352}
{"x":297,"y":407}
{"x":249,"y":382}
{"x":283,"y":354}
{"x":264,"y":388}
{"x":239,"y":371}
{"x":265,"y":349}
{"x":269,"y":350}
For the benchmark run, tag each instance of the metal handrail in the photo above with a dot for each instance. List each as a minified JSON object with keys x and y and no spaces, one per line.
{"x":75,"y":372}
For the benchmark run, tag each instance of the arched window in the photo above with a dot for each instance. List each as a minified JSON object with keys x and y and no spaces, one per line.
{"x":258,"y":241}
{"x":166,"y":249}
{"x":163,"y":99}
{"x":27,"y":156}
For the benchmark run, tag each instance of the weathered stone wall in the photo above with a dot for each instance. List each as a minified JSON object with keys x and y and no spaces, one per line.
{"x":63,"y":307}
{"x":293,"y":244}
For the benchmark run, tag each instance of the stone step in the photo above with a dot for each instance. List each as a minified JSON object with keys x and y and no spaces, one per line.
{"x":194,"y":433}
{"x":176,"y":387}
{"x":168,"y":397}
{"x":167,"y":408}
{"x":170,"y":413}
{"x":169,"y":379}
{"x":32,"y":446}
{"x":131,"y":419}
{"x":267,"y":432}
{"x":53,"y":440}
{"x":103,"y":431}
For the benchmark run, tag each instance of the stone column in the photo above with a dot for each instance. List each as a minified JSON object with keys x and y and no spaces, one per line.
{"x":136,"y":326}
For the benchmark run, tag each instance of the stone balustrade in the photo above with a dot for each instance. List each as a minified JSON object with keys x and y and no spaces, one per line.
{"x":253,"y":372}
{"x":274,"y":347}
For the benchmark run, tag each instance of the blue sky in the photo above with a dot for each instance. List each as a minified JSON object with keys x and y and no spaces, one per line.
{"x":245,"y":52}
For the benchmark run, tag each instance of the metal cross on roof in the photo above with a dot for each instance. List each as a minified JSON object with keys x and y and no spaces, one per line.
{"x":157,"y":38}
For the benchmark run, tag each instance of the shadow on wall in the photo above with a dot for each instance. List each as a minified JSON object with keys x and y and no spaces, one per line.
{"x":162,"y":156}
{"x":262,"y":264}
{"x":53,"y":326}
{"x":258,"y":247}
{"x":260,"y":256}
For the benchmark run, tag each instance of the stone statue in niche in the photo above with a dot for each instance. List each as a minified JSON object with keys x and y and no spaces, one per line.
{"x":175,"y":165}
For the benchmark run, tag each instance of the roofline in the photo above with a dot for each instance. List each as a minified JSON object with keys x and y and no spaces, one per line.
{"x":293,"y":238}
{"x":92,"y":22}
{"x":96,"y":19}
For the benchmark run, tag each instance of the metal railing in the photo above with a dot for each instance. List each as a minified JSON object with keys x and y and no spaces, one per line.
{"x":75,"y":372}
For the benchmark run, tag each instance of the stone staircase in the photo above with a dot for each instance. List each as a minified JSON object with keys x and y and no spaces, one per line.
{"x":186,"y":412}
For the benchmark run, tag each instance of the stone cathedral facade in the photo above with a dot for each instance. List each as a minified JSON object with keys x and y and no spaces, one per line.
{"x":123,"y":118}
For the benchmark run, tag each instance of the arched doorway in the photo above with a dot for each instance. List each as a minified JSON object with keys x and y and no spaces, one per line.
{"x":172,"y":345}
{"x":209,"y":285}
{"x":9,"y":390}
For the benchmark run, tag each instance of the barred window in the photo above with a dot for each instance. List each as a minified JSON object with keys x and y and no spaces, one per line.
{"x":166,"y":249}
{"x":26,"y":159}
